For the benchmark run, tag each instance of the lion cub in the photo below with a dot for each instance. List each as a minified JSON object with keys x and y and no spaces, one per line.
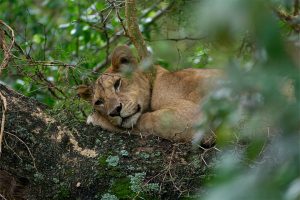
{"x":162,"y":103}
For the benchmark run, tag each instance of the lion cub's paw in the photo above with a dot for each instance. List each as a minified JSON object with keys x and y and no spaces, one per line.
{"x":91,"y":120}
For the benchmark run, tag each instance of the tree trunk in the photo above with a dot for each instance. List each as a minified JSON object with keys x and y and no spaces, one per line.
{"x":73,"y":160}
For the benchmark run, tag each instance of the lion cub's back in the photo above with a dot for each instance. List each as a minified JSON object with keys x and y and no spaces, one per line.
{"x":189,"y":84}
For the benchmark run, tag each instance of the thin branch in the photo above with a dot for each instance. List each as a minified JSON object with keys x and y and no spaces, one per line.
{"x":121,"y":21}
{"x":107,"y":15}
{"x":4,"y":108}
{"x":6,"y":145}
{"x":6,"y":49}
{"x":28,"y":149}
{"x":147,"y":11}
{"x":168,"y":167}
{"x":18,"y":46}
{"x":100,"y":65}
{"x":42,"y":77}
{"x":31,"y":61}
{"x":177,"y":39}
{"x":44,"y":63}
{"x":2,"y":197}
{"x":160,"y":13}
{"x":103,"y":22}
{"x":288,"y":19}
{"x":91,"y":24}
{"x":202,"y":158}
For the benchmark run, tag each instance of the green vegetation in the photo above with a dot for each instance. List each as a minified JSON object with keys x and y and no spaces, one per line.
{"x":121,"y":188}
{"x":254,"y":112}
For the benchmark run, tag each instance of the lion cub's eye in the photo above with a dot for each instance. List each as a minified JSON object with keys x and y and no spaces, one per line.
{"x":124,"y":60}
{"x":117,"y":85}
{"x":99,"y":102}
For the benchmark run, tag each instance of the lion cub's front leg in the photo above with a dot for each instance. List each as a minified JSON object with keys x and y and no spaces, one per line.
{"x":172,"y":124}
{"x":97,"y":119}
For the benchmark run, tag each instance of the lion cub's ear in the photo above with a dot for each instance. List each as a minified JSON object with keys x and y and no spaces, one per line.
{"x":122,"y":60}
{"x":85,"y":92}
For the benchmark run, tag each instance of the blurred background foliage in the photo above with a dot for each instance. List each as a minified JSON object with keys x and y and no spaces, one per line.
{"x":81,"y":35}
{"x":255,"y":110}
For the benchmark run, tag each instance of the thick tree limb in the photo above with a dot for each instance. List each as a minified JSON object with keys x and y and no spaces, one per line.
{"x":76,"y":157}
{"x":134,"y":32}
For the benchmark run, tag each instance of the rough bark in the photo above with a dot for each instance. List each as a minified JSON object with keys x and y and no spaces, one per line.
{"x":133,"y":30}
{"x":72,"y":160}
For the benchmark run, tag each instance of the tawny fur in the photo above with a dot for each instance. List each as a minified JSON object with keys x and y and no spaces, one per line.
{"x":162,"y":103}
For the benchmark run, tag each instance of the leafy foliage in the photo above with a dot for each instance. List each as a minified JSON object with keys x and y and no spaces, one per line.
{"x":258,"y":105}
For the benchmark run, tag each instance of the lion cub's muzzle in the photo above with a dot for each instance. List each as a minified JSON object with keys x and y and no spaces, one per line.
{"x":120,"y":116}
{"x":116,"y":111}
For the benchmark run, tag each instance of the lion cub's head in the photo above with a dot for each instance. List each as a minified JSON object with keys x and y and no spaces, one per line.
{"x":120,"y":98}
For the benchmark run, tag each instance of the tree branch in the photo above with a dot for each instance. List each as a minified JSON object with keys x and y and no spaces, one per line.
{"x":4,"y":108}
{"x":134,"y":32}
{"x":288,"y":19}
{"x":120,"y":33}
{"x":6,"y":49}
{"x":178,"y":39}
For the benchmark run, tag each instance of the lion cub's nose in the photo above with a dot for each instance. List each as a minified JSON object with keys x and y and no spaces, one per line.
{"x":116,"y":111}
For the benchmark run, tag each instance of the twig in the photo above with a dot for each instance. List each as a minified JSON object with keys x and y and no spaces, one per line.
{"x":33,"y":159}
{"x":121,"y":21}
{"x":7,"y":50}
{"x":205,"y":150}
{"x":2,"y":197}
{"x":45,"y":63}
{"x":215,"y":148}
{"x":100,"y":65}
{"x":104,"y":28}
{"x":104,"y":20}
{"x":42,"y":77}
{"x":18,"y":46}
{"x":138,"y":193}
{"x":288,"y":19}
{"x":6,"y":145}
{"x":4,"y":108}
{"x":160,"y":13}
{"x":31,"y":61}
{"x":167,"y":169}
{"x":202,"y":158}
{"x":177,"y":39}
